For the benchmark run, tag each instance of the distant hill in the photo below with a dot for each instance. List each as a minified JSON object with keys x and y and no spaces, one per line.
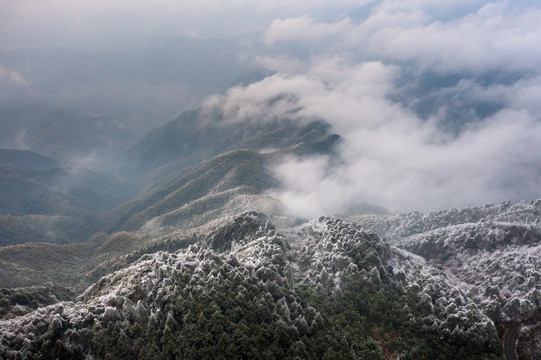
{"x":205,"y":188}
{"x":57,"y":192}
{"x":60,"y":133}
{"x":239,"y":155}
{"x":42,"y":202}
{"x":54,"y":205}
{"x":194,"y":137}
{"x":26,"y":160}
{"x":144,"y":85}
{"x":53,"y":229}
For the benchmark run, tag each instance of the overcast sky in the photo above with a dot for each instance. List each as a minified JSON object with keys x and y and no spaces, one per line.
{"x":103,"y":23}
{"x":391,"y":77}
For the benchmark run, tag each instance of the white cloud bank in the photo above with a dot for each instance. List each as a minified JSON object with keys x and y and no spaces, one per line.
{"x":391,"y":155}
{"x":496,"y":36}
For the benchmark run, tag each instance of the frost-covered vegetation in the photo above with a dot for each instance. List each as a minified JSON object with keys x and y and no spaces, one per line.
{"x":491,"y":253}
{"x":19,"y":301}
{"x":324,"y":290}
{"x":529,"y":343}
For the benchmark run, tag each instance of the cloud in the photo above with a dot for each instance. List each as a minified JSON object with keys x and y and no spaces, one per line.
{"x":487,"y":39}
{"x":303,"y":29}
{"x":266,"y":100}
{"x":392,"y":158}
{"x":77,"y":165}
{"x":12,"y":76}
{"x":437,"y":108}
{"x":100,"y":24}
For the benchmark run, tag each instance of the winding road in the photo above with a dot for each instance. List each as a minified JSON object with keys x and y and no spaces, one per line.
{"x":512,"y":334}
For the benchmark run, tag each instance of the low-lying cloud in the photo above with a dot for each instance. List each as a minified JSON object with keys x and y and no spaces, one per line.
{"x":12,"y":76}
{"x":478,"y":143}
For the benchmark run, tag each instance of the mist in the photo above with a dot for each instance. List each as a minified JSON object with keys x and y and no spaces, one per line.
{"x":436,"y":102}
{"x":435,"y":110}
{"x":104,"y":24}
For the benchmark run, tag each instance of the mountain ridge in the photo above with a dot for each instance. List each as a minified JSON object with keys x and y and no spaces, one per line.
{"x":26,"y":160}
{"x":58,"y":132}
{"x":262,"y":277}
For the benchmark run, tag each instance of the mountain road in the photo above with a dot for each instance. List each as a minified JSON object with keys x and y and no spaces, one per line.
{"x":511,"y":336}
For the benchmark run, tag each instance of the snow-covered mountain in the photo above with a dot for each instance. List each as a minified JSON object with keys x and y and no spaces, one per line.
{"x":326,"y":289}
{"x":190,"y":274}
{"x":491,"y":252}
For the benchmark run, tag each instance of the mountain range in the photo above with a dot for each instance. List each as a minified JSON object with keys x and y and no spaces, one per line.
{"x":175,"y":248}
